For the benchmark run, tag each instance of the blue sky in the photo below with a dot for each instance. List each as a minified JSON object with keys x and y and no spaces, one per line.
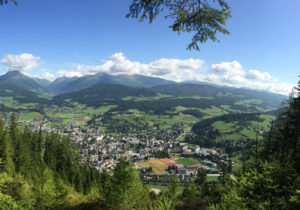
{"x":82,"y":37}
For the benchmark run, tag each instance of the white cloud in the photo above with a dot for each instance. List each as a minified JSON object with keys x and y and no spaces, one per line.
{"x":257,"y":75}
{"x":233,"y":68}
{"x":24,"y":62}
{"x":64,"y":73}
{"x":172,"y":69}
{"x":46,"y":75}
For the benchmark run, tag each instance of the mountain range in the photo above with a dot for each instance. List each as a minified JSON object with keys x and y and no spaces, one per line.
{"x":65,"y":85}
{"x":103,"y":85}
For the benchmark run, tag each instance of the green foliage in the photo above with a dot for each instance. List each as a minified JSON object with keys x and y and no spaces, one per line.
{"x":40,"y":171}
{"x":201,"y":177}
{"x":270,"y":179}
{"x":8,"y":165}
{"x":163,"y":202}
{"x":6,"y":1}
{"x":202,"y":18}
{"x":173,"y":187}
{"x":126,"y":190}
{"x":268,"y":186}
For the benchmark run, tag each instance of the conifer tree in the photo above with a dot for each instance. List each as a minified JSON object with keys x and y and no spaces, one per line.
{"x":173,"y":186}
{"x":8,"y":163}
{"x":126,"y":187}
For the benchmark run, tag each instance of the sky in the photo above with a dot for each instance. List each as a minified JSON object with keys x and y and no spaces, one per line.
{"x":54,"y":38}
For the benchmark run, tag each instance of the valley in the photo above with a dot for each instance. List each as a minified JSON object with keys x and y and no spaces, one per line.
{"x":149,"y":105}
{"x":191,"y":125}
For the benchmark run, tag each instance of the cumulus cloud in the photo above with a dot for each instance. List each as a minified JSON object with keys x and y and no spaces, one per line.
{"x":257,"y":75}
{"x":64,"y":73}
{"x":229,"y":68}
{"x":24,"y":62}
{"x":46,"y":75}
{"x":171,"y":69}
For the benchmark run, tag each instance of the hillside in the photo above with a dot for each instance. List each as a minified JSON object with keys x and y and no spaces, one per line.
{"x":43,"y":82}
{"x":12,"y":97}
{"x":20,"y":80}
{"x":208,"y":90}
{"x":234,"y":126}
{"x":65,"y":85}
{"x":97,"y":94}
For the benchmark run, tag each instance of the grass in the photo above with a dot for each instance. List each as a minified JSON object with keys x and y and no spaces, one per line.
{"x":213,"y":111}
{"x":251,"y":134}
{"x":7,"y":101}
{"x":26,"y":105}
{"x":268,"y":118}
{"x":30,"y":116}
{"x":181,"y":138}
{"x":164,"y":188}
{"x":186,"y":118}
{"x":90,"y":111}
{"x":78,"y":111}
{"x":137,"y":99}
{"x":187,"y":162}
{"x":179,"y":109}
{"x":136,"y":112}
{"x":158,"y":167}
{"x":223,"y":126}
{"x":212,"y":178}
{"x":164,"y":121}
{"x":233,"y":136}
{"x":249,"y":103}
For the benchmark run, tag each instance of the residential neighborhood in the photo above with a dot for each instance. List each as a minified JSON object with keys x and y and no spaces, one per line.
{"x":157,"y":153}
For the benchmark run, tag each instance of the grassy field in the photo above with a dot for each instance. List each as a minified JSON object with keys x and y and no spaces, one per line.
{"x":234,"y":131}
{"x":251,"y":134}
{"x":163,"y":120}
{"x":186,"y":118}
{"x":137,"y":99}
{"x":212,"y":178}
{"x":249,"y":103}
{"x":213,"y":111}
{"x":223,"y":126}
{"x":179,"y":109}
{"x":30,"y":116}
{"x":234,"y":136}
{"x":8,"y":101}
{"x":164,"y":187}
{"x":157,"y":166}
{"x":187,"y":162}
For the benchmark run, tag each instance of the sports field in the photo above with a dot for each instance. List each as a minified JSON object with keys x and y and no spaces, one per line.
{"x":158,"y":166}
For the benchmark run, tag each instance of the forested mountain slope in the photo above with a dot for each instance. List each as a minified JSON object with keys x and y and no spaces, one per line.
{"x":213,"y":91}
{"x":13,"y":98}
{"x":65,"y":85}
{"x":97,"y":94}
{"x":20,"y":80}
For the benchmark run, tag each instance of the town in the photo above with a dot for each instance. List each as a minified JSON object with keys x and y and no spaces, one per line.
{"x":157,"y":153}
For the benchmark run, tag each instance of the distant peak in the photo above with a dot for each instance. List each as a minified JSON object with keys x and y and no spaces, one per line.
{"x":14,"y":72}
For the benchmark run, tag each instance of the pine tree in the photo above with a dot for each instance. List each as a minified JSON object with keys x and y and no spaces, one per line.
{"x":126,"y":187}
{"x":173,"y":186}
{"x":8,"y":163}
